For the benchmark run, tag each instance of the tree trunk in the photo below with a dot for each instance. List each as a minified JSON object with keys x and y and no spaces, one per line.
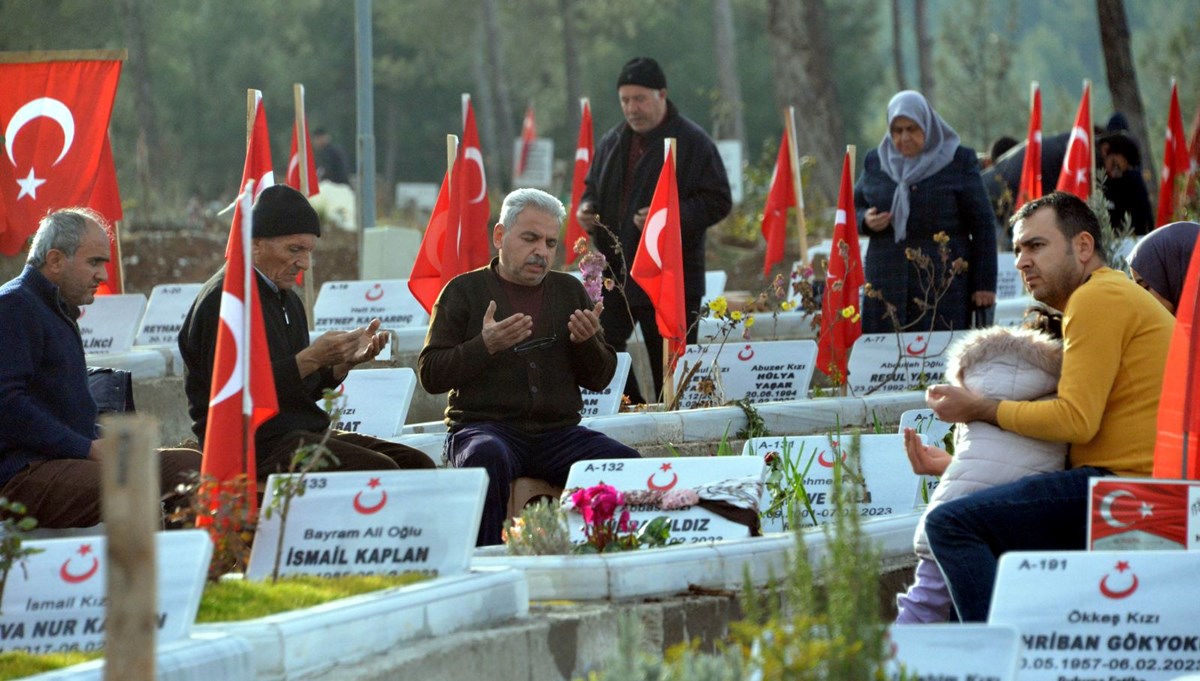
{"x":1118,"y":65}
{"x":133,"y":25}
{"x":503,"y":111}
{"x":924,"y":49}
{"x":574,"y":88}
{"x":804,"y":78}
{"x":485,"y":106}
{"x":730,"y":121}
{"x":898,"y":45}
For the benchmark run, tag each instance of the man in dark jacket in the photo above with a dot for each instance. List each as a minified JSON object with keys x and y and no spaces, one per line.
{"x":286,"y":229}
{"x":617,"y":196}
{"x":49,"y":442}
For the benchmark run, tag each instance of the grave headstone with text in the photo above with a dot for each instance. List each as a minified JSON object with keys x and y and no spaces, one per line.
{"x":168,"y":306}
{"x":691,"y":524}
{"x":1131,"y":514}
{"x":956,"y":652}
{"x":889,"y":483}
{"x":375,"y":401}
{"x":539,"y":164}
{"x":895,"y":362}
{"x":764,"y":371}
{"x":1008,"y":278}
{"x":109,"y":324}
{"x":1102,"y":614}
{"x":608,"y":401}
{"x":57,"y":603}
{"x":374,"y":523}
{"x":344,"y":305}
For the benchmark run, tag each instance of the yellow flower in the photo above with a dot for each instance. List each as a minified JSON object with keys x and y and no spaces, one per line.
{"x":718,"y":306}
{"x":736,"y":315}
{"x":848,"y":311}
{"x":787,"y":305}
{"x":941,"y":238}
{"x":749,"y":321}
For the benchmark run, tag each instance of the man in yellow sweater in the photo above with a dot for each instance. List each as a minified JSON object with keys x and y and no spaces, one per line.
{"x":1115,"y":340}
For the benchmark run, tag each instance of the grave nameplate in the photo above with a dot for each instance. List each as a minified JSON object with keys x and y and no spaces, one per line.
{"x":925,"y":422}
{"x":765,"y":371}
{"x":1129,"y":514}
{"x":1100,"y":615}
{"x":886,"y":475}
{"x":109,"y":324}
{"x":1008,"y":278}
{"x":891,"y":362}
{"x":345,"y":305}
{"x":376,"y":401}
{"x":374,"y":523}
{"x":691,"y":524}
{"x":956,"y":652}
{"x":56,"y":603}
{"x":168,"y":306}
{"x":608,"y":401}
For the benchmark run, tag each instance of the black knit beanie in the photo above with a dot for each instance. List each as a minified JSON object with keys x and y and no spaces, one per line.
{"x":642,"y":71}
{"x":281,"y":210}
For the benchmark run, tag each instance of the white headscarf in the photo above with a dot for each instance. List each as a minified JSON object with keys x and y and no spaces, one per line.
{"x":940,"y":144}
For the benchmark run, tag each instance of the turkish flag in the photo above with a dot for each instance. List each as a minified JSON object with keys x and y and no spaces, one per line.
{"x":584,"y":148}
{"x":1177,"y":163}
{"x":1127,"y":506}
{"x":293,"y":170}
{"x":658,"y":264}
{"x":54,"y":117}
{"x":528,"y":135}
{"x":426,"y":280}
{"x":841,"y":317}
{"x":1031,"y":170}
{"x":1177,"y":447}
{"x":257,"y":166}
{"x":241,"y":360}
{"x":474,"y":233}
{"x":1076,"y":175}
{"x":781,"y":195}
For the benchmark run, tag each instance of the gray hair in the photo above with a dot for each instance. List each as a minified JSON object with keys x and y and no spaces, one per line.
{"x":63,"y":230}
{"x":520,"y":199}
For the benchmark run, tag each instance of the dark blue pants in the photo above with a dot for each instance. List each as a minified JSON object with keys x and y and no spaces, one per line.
{"x":507,"y":453}
{"x":1046,"y":512}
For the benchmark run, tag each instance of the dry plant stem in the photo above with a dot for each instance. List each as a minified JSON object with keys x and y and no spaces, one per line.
{"x":317,"y":457}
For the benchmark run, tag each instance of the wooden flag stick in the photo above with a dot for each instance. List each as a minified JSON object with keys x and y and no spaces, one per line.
{"x":451,"y":152}
{"x":132,"y":514}
{"x":797,"y":185}
{"x":310,"y":295}
{"x":251,"y":101}
{"x":668,"y":396}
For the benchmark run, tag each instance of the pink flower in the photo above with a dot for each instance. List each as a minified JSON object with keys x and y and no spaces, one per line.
{"x":604,"y":502}
{"x":623,"y":523}
{"x":582,"y":499}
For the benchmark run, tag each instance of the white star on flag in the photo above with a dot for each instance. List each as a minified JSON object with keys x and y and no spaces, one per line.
{"x":1147,"y":510}
{"x":29,"y":186}
{"x":1081,"y":175}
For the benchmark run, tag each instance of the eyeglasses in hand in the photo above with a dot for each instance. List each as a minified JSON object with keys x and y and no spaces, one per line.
{"x":535,"y":344}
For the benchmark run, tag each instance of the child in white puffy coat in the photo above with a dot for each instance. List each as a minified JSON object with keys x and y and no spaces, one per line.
{"x":1001,"y":363}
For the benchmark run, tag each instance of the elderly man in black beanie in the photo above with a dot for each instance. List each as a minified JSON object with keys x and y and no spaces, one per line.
{"x":286,"y":229}
{"x":617,"y":196}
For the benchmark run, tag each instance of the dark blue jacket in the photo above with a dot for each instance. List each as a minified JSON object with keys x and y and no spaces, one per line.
{"x":46,"y":409}
{"x":953,"y":201}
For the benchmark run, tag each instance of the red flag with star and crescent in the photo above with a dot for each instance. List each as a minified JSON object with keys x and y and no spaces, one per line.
{"x":257,"y":165}
{"x":292,"y":178}
{"x":243,"y":386}
{"x":841,"y":318}
{"x":1137,"y":510}
{"x":427,"y":277}
{"x":54,"y":124}
{"x":1177,"y":163}
{"x":585,"y":147}
{"x":474,"y":233}
{"x":1076,"y":175}
{"x":658,"y":264}
{"x":1177,"y":446}
{"x":1031,"y":170}
{"x":781,"y":195}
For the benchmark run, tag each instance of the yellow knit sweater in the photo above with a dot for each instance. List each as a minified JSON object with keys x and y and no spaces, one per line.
{"x":1115,"y":340}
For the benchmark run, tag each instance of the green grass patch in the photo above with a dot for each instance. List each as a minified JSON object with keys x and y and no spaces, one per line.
{"x":230,"y":601}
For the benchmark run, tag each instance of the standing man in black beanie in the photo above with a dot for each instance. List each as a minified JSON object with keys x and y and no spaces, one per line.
{"x":286,"y":229}
{"x":618,"y":191}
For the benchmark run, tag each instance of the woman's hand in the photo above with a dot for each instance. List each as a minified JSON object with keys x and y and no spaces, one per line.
{"x":925,"y":459}
{"x":877,"y":221}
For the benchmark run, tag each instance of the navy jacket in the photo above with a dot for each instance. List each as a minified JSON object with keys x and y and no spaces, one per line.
{"x":46,"y":410}
{"x":951,"y":200}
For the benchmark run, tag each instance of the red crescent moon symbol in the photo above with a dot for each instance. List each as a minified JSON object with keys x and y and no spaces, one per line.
{"x":661,"y":488}
{"x":746,"y":353}
{"x":368,"y":510}
{"x":922,"y":349}
{"x":1117,"y":594}
{"x":76,"y":579}
{"x":374,"y":288}
{"x":826,"y":461}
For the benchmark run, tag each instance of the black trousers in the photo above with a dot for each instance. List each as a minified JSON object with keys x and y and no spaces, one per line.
{"x":617,"y":324}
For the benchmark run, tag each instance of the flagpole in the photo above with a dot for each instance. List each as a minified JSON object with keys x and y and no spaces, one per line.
{"x":247,"y":200}
{"x":797,"y":185}
{"x":302,"y":161}
{"x":668,"y":396}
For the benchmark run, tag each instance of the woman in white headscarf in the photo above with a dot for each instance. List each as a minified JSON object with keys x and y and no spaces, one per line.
{"x":919,"y":182}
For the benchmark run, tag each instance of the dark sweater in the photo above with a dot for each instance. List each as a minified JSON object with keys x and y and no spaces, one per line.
{"x":46,"y":409}
{"x":287,"y":334}
{"x":536,"y":391}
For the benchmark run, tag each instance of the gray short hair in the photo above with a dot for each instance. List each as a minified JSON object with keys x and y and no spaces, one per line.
{"x":63,"y":230}
{"x":520,"y":199}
